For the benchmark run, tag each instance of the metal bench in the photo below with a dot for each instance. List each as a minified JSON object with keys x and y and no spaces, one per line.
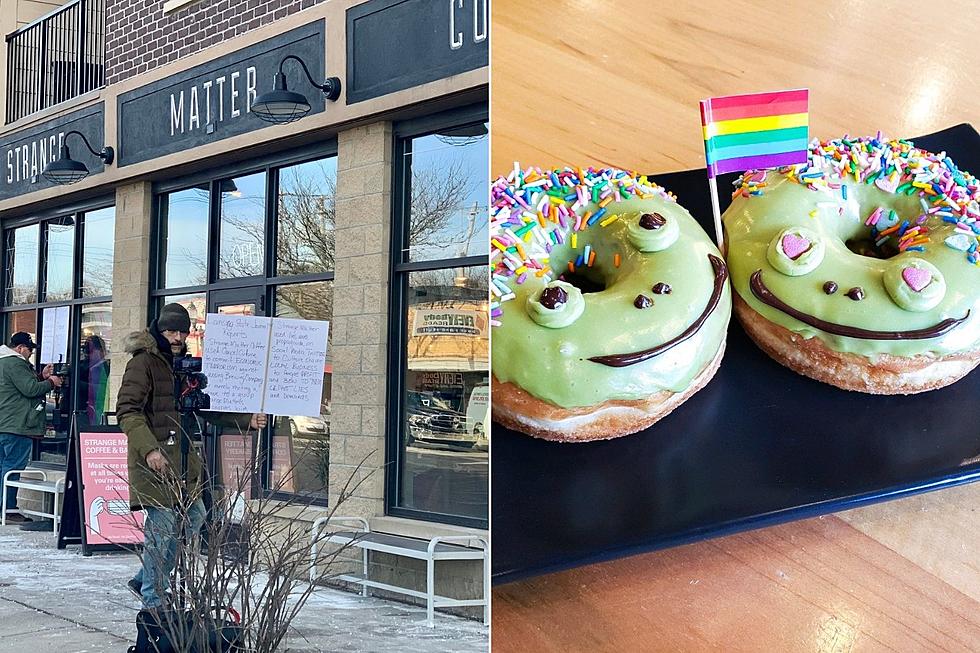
{"x":442,"y":547}
{"x":42,"y":484}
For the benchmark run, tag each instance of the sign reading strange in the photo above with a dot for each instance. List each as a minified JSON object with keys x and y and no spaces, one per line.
{"x":26,"y":152}
{"x":213,"y":101}
{"x":397,"y":44}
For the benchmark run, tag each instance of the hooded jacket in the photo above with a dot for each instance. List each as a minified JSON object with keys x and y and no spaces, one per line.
{"x":21,"y":395}
{"x":147,"y":413}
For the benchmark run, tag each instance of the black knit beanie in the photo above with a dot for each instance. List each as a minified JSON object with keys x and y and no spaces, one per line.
{"x":174,"y":317}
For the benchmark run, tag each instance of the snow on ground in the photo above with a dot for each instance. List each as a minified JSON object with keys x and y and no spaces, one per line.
{"x":64,"y":602}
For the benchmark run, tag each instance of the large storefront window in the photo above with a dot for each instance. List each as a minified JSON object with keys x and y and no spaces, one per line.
{"x":241,"y":250}
{"x":97,"y":249}
{"x":60,"y":259}
{"x":441,"y":365}
{"x":21,"y":264}
{"x":183,"y":224}
{"x":301,"y":444}
{"x":238,"y":279}
{"x":71,"y":321}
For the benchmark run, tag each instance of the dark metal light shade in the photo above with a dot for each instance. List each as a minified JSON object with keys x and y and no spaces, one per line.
{"x":65,"y":170}
{"x":281,"y":106}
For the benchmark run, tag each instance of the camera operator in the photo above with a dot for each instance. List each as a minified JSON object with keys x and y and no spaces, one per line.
{"x":147,"y":413}
{"x":21,"y":409}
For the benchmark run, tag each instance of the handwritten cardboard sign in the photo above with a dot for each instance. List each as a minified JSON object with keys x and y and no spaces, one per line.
{"x":267,"y":365}
{"x":54,"y":335}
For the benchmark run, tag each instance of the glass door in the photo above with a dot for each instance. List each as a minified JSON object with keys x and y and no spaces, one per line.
{"x":231,"y":454}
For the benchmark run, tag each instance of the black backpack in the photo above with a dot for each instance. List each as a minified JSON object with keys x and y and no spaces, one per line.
{"x":152,"y":635}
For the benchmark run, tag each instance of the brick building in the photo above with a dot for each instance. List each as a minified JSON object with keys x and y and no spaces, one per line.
{"x":368,"y":212}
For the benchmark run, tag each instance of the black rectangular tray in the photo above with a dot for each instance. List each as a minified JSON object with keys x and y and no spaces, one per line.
{"x":759,"y":445}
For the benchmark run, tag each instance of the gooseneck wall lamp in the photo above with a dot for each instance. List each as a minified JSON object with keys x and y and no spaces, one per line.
{"x":281,"y":106}
{"x":65,"y":170}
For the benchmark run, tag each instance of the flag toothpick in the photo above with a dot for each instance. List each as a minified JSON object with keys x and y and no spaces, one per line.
{"x":750,"y":132}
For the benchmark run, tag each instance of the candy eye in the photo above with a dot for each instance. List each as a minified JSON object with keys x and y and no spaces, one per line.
{"x":652,"y":232}
{"x":914,"y":284}
{"x":795,"y":251}
{"x":556,"y":305}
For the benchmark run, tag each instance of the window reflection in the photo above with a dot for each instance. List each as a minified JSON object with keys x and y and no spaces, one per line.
{"x":184,"y":236}
{"x":25,"y":321}
{"x":241,"y":249}
{"x":60,"y":259}
{"x":300,"y":444}
{"x":93,"y":362}
{"x":22,"y":252}
{"x":97,"y":252}
{"x":444,"y":463}
{"x":448,"y":193}
{"x":197,"y":307}
{"x":305,"y":227}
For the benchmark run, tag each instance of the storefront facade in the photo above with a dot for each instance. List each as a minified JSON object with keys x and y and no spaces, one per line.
{"x":369,"y":212}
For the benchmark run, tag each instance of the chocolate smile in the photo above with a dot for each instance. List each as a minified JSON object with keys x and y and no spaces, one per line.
{"x":766,"y":296}
{"x":622,"y":360}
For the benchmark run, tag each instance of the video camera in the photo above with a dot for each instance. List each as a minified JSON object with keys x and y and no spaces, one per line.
{"x":189,"y":383}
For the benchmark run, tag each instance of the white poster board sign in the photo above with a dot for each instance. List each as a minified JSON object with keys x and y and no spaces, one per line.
{"x":296,"y":359}
{"x":54,"y":335}
{"x":264,"y":365}
{"x":235,"y":353}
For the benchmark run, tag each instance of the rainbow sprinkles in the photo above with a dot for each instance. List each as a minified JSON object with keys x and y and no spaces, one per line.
{"x":895,"y":166}
{"x":533,"y":210}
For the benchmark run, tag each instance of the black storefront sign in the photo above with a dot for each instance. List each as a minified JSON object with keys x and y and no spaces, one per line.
{"x":26,"y":152}
{"x":397,"y":44}
{"x":213,"y":101}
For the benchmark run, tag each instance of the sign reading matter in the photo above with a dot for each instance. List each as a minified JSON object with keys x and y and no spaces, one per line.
{"x":265,"y":365}
{"x":213,"y":101}
{"x":105,"y":490}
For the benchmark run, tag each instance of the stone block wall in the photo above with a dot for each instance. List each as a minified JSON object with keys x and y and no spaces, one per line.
{"x":130,"y":273}
{"x":360,"y":319}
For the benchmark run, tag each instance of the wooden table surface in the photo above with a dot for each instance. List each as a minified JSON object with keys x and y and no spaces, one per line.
{"x":617,"y":82}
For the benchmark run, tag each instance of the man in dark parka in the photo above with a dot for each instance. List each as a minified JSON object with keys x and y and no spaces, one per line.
{"x":147,"y":413}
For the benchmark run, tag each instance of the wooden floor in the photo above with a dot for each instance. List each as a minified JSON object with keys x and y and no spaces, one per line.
{"x":592,"y":81}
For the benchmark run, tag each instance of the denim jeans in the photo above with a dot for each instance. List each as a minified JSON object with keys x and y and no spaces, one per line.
{"x":15,"y":451}
{"x":160,"y":549}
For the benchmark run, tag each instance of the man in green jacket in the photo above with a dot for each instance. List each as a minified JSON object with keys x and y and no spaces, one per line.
{"x":21,"y":410}
{"x":147,"y":412}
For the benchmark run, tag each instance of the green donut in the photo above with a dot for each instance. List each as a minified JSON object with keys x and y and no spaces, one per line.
{"x":902,"y":253}
{"x":659,"y":305}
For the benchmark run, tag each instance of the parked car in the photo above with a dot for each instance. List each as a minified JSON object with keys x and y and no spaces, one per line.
{"x":433,"y":421}
{"x":300,"y":425}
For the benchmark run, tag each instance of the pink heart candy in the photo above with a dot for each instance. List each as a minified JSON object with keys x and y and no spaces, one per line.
{"x":794,"y":246}
{"x":916,"y":278}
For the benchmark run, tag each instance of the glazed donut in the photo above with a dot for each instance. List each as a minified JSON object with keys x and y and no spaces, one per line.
{"x":860,"y":268}
{"x":610,"y":303}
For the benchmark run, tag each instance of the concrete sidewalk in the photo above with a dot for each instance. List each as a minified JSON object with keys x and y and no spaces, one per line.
{"x":55,"y":601}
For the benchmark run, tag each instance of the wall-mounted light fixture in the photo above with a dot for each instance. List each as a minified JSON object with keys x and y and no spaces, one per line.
{"x":65,"y":170}
{"x":281,"y":106}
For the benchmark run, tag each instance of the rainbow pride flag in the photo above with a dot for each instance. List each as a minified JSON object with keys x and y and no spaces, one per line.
{"x":759,"y":130}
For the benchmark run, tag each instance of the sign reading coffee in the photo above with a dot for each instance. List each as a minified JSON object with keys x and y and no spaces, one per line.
{"x":397,"y":44}
{"x":213,"y":101}
{"x":26,"y":152}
